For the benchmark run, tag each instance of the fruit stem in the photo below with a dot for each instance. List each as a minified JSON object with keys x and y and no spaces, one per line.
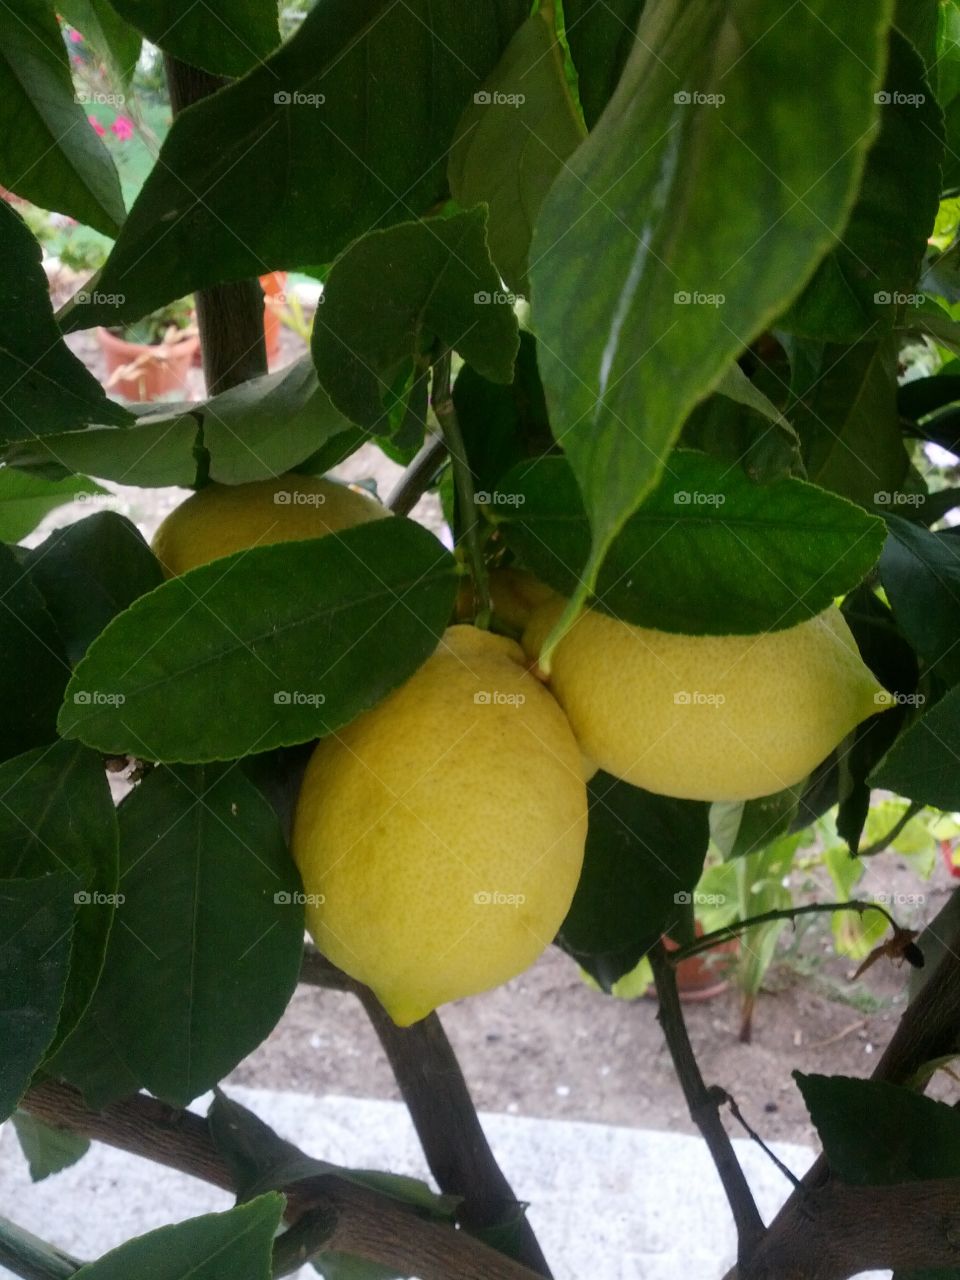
{"x":441,"y":400}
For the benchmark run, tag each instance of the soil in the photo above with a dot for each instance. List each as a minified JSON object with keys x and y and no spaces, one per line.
{"x":548,"y":1045}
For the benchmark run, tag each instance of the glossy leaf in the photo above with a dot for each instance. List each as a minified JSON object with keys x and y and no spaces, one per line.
{"x":154,"y":451}
{"x":334,"y":120}
{"x":644,"y":856}
{"x":676,"y":232}
{"x":47,"y":1150}
{"x":50,"y":155}
{"x":235,"y":1245}
{"x":34,"y":670}
{"x":922,"y":763}
{"x":600,"y":38}
{"x":395,"y":295}
{"x":211,"y":925}
{"x":855,"y":291}
{"x":43,"y":387}
{"x":88,"y":573}
{"x":57,"y":817}
{"x":25,"y":499}
{"x":920,"y":571}
{"x":512,"y":142}
{"x":708,"y":552}
{"x":265,"y":648}
{"x":225,"y":36}
{"x":35,"y":920}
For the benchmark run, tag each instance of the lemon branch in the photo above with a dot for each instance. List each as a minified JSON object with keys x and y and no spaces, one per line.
{"x":738,"y":927}
{"x":31,"y":1258}
{"x":419,"y":476}
{"x":441,"y":399}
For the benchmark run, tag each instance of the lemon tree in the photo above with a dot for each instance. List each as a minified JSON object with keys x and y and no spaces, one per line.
{"x":645,"y":301}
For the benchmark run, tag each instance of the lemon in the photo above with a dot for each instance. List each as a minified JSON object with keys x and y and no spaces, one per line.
{"x":707,"y":717}
{"x":440,"y":835}
{"x":220,"y":519}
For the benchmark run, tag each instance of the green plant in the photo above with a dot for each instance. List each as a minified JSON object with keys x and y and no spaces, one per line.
{"x":153,"y":328}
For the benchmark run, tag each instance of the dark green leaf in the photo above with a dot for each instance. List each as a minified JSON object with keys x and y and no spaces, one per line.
{"x":224,"y":36}
{"x":219,"y":1246}
{"x":917,"y":20}
{"x":206,"y":951}
{"x":57,"y":816}
{"x":920,"y":571}
{"x":334,"y":134}
{"x":43,"y":386}
{"x":265,"y":648}
{"x":677,"y":197}
{"x":50,"y":154}
{"x":878,"y":1134}
{"x":845,"y":412}
{"x":35,"y":921}
{"x":923,"y":396}
{"x":643,"y":858}
{"x":739,"y":424}
{"x":741,"y":827}
{"x":708,"y":552}
{"x":512,"y":142}
{"x":34,"y":670}
{"x":25,"y":499}
{"x":922,"y":763}
{"x":153,"y":452}
{"x":89,"y":572}
{"x":393,"y":295}
{"x":347,"y":1266}
{"x":115,"y":42}
{"x":600,"y":38}
{"x":47,"y":1150}
{"x":857,"y":288}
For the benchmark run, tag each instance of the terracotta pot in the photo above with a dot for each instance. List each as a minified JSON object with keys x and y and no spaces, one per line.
{"x":136,"y":371}
{"x":273,"y":285}
{"x":703,"y":976}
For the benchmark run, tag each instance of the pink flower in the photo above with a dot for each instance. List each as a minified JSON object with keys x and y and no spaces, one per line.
{"x":123,"y":128}
{"x":76,"y":37}
{"x":97,"y":125}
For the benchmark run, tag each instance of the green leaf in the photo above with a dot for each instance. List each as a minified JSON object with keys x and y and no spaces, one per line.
{"x":57,"y":816}
{"x":35,"y":920}
{"x":644,"y":856}
{"x":845,"y":411}
{"x":89,"y":572}
{"x":739,"y":432}
{"x":742,"y":827}
{"x":394,"y":295}
{"x":219,"y":1246}
{"x":600,"y":37}
{"x":34,"y":671}
{"x":114,"y":41}
{"x":209,"y":935}
{"x":512,"y":142}
{"x":50,"y":154}
{"x":260,"y":1160}
{"x":708,"y":552}
{"x":347,"y":1266}
{"x":278,"y":644}
{"x":25,"y":499}
{"x":858,"y":286}
{"x":677,"y":197}
{"x":47,"y":1150}
{"x":920,"y":572}
{"x":878,"y":1134}
{"x":922,"y":763}
{"x":153,"y":452}
{"x":334,"y":120}
{"x":43,"y":386}
{"x":228,"y":37}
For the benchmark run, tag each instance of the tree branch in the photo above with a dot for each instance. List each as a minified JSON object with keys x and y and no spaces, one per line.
{"x":432,"y":1086}
{"x":365,"y":1223}
{"x":704,"y":1106}
{"x":229,"y":316}
{"x":31,"y":1258}
{"x":418,"y":477}
{"x":708,"y":940}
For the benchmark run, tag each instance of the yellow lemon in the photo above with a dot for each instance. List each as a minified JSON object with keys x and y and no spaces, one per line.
{"x":708,"y":717}
{"x":220,"y":519}
{"x":441,"y":834}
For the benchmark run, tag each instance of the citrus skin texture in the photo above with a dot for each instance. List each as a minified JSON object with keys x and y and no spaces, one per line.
{"x":443,"y":831}
{"x":220,"y":519}
{"x":708,"y":717}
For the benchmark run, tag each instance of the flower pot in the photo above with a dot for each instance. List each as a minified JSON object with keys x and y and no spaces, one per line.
{"x":136,"y":371}
{"x":703,"y":976}
{"x":273,"y":285}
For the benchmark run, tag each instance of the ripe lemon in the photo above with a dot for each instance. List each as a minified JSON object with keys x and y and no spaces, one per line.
{"x":220,"y":519}
{"x":708,"y":717}
{"x":442,"y":832}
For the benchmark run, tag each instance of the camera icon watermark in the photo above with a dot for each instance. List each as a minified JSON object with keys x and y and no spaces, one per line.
{"x":698,"y":298}
{"x":695,"y":498}
{"x":298,"y":498}
{"x":98,"y":698}
{"x":298,"y":698}
{"x":696,"y":698}
{"x":694,"y":98}
{"x":496,"y":98}
{"x":894,"y":98}
{"x":685,"y":899}
{"x":496,"y":498}
{"x":94,"y":898}
{"x":297,"y":898}
{"x":494,"y":898}
{"x":494,"y":698}
{"x":296,"y":98}
{"x":95,"y":298}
